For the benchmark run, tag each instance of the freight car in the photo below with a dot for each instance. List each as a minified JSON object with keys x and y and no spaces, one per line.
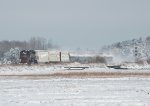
{"x":43,"y":56}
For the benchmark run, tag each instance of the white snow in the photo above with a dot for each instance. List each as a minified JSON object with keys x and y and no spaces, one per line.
{"x":75,"y":92}
{"x":50,"y":69}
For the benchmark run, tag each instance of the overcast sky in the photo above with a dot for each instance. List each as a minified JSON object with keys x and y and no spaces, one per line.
{"x":75,"y":23}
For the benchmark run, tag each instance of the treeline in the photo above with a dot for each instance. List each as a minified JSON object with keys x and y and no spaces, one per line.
{"x":34,"y":43}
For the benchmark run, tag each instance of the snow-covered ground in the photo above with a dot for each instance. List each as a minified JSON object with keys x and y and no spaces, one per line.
{"x":34,"y":86}
{"x":75,"y":92}
{"x":51,"y":69}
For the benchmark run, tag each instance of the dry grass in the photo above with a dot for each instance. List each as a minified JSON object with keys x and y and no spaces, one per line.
{"x":79,"y":75}
{"x":97,"y":74}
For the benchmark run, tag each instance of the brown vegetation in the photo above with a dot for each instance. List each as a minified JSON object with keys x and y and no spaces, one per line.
{"x":74,"y":74}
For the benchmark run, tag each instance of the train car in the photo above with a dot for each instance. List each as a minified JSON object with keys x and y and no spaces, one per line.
{"x":41,"y":56}
{"x":65,"y":57}
{"x":54,"y":56}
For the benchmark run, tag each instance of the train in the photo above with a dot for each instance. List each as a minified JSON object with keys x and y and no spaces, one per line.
{"x":47,"y":56}
{"x":43,"y":56}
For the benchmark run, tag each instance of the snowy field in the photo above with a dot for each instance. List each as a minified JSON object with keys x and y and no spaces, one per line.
{"x":55,"y":86}
{"x":53,"y":69}
{"x":75,"y":92}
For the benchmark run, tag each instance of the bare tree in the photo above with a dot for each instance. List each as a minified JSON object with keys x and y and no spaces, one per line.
{"x":34,"y":43}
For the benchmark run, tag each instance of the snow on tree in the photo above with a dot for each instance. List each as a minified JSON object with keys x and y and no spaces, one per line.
{"x":136,"y":49}
{"x":12,"y":56}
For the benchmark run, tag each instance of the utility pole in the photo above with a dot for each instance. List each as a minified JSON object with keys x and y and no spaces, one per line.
{"x":136,"y":53}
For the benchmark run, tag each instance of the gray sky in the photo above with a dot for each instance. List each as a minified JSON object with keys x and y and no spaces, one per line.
{"x":75,"y":23}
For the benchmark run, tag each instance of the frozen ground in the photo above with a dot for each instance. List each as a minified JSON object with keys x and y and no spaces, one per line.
{"x":75,"y":92}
